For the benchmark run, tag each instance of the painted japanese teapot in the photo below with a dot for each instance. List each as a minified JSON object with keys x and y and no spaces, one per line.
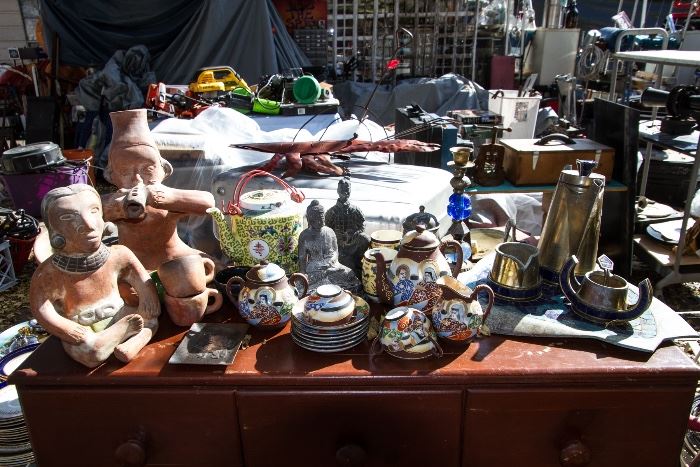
{"x":458,"y":317}
{"x":411,"y":278}
{"x":266,"y":297}
{"x":601,"y":296}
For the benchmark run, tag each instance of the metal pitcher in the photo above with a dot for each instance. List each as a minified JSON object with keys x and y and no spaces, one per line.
{"x":515,"y":274}
{"x":573,"y":222}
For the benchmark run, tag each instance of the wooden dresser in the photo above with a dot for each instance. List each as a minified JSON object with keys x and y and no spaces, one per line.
{"x":499,"y":402}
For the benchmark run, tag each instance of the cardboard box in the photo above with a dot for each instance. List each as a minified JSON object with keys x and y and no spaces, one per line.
{"x":528,"y":163}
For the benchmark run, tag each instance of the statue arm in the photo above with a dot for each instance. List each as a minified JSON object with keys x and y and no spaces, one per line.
{"x":177,"y":200}
{"x":114,"y":206}
{"x":136,"y":276}
{"x":57,"y":325}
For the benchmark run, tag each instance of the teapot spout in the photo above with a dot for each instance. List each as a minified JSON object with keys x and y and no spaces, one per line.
{"x":223,"y":231}
{"x":385,"y":289}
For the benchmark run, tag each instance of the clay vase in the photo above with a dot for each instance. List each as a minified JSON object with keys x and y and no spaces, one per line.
{"x":130,"y":133}
{"x":189,"y":310}
{"x":186,"y":276}
{"x":130,"y":130}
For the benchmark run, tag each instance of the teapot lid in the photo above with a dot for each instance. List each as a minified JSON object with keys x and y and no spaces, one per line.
{"x":265,"y":272}
{"x":421,"y":239}
{"x":420,"y":217}
{"x":263,"y":200}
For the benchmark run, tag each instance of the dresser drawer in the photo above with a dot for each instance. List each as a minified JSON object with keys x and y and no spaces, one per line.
{"x":86,"y":428}
{"x":372,"y":428}
{"x":544,"y":428}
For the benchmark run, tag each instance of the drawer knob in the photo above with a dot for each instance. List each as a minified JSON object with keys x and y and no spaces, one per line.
{"x":351,"y":455}
{"x":575,"y":454}
{"x":132,"y":452}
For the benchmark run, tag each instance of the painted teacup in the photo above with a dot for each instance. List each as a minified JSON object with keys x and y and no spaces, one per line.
{"x":406,"y":332}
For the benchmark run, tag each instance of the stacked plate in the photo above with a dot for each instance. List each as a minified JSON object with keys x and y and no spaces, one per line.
{"x":319,"y":336}
{"x":15,"y":449}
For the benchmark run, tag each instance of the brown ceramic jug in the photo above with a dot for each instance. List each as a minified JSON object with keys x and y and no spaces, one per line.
{"x":185,"y":311}
{"x":186,"y":276}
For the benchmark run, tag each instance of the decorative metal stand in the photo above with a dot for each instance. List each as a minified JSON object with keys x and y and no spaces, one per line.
{"x":459,"y":206}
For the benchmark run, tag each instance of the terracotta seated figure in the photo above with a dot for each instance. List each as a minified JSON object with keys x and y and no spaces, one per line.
{"x":74,"y":293}
{"x":318,"y":253}
{"x":145,"y":211}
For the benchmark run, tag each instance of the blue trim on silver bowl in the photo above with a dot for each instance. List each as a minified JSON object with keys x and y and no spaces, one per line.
{"x":514,"y":295}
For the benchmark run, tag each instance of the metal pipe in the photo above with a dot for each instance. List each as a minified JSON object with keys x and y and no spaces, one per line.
{"x":474,"y":45}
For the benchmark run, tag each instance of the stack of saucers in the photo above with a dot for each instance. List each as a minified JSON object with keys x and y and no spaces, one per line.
{"x":330,"y":320}
{"x":15,"y":448}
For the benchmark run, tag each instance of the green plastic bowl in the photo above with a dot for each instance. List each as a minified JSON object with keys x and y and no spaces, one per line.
{"x":306,"y":90}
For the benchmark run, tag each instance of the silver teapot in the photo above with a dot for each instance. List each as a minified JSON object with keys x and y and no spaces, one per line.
{"x":601,"y":296}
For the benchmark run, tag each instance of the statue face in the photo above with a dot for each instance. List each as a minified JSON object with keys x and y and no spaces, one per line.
{"x":78,"y":218}
{"x":315,"y":220}
{"x":132,"y":167}
{"x":343,"y":192}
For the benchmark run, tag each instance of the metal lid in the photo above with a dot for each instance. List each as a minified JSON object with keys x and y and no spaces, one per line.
{"x":421,"y":217}
{"x":32,"y":157}
{"x":420,"y":239}
{"x":265,"y":272}
{"x":263,"y":200}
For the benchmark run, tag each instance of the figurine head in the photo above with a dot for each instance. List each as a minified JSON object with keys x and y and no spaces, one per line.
{"x":73,"y":217}
{"x":315,"y":215}
{"x":139,"y":163}
{"x":343,"y":189}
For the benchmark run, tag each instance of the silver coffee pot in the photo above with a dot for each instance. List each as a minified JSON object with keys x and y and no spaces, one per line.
{"x":573,"y":222}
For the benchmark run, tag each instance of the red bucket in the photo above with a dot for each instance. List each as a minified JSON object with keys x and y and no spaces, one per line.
{"x":20,"y":250}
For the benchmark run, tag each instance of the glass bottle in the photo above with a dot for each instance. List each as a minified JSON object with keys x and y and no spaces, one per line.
{"x":571,"y":15}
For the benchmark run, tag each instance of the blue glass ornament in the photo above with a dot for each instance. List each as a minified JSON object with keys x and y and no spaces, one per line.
{"x":459,"y":207}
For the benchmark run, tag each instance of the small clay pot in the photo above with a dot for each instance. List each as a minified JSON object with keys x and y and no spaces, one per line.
{"x":189,"y":310}
{"x":186,"y":276}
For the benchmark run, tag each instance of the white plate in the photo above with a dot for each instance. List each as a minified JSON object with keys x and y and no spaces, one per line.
{"x":7,"y":335}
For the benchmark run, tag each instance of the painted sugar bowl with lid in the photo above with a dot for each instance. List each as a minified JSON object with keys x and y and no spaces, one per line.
{"x":329,"y":305}
{"x":266,"y":296}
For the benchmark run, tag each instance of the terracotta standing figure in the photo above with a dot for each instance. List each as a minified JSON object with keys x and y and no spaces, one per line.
{"x":74,"y":293}
{"x":146,"y":211}
{"x":318,"y":253}
{"x":348,"y":223}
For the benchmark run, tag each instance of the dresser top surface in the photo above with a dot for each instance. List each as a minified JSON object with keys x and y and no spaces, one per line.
{"x":273,"y":359}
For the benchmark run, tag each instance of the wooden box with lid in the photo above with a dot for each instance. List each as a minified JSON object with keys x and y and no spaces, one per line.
{"x":537,"y":162}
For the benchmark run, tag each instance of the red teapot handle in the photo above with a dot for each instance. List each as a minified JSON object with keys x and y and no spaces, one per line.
{"x":489,"y":292}
{"x":233,"y":207}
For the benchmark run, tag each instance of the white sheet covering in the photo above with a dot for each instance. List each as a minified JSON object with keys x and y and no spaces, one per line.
{"x":386,"y":193}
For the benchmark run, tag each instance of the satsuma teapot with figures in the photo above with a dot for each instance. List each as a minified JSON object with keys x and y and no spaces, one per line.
{"x":411,"y":278}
